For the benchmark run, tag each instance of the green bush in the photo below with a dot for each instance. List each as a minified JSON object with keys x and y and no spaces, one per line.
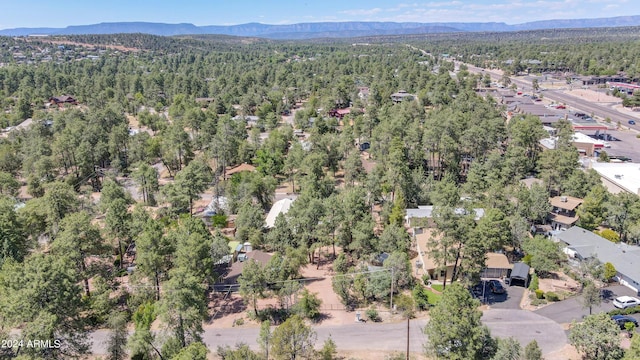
{"x":610,"y":235}
{"x":426,"y":279}
{"x":539,"y":294}
{"x":551,"y":296}
{"x":536,"y":302}
{"x":627,"y":311}
{"x":534,"y":284}
{"x":420,"y":297}
{"x":372,"y":315}
{"x":527,"y":259}
{"x":219,"y":220}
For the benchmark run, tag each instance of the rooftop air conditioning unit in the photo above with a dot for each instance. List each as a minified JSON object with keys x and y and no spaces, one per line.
{"x":563,"y":199}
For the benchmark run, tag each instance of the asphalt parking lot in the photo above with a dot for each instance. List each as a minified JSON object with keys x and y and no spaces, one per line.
{"x":627,"y":145}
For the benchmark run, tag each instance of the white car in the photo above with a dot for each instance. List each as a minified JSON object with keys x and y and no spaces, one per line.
{"x":624,"y":302}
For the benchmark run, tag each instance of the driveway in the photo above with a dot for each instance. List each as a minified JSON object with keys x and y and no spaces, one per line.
{"x":526,"y":326}
{"x":566,"y":311}
{"x":509,"y":300}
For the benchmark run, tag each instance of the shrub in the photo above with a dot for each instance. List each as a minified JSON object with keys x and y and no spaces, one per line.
{"x":551,"y":296}
{"x":539,"y":294}
{"x":426,"y":279}
{"x":372,"y":315}
{"x":535,"y":283}
{"x":420,"y":297}
{"x":238,"y":322}
{"x":527,"y":259}
{"x":536,"y":302}
{"x":219,"y":220}
{"x":630,"y":327}
{"x":627,"y":311}
{"x":609,"y":235}
{"x":609,"y":271}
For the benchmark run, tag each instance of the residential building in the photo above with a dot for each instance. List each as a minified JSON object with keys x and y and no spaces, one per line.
{"x":232,"y":273}
{"x":496,"y":266}
{"x":563,"y":215}
{"x":279,"y":207}
{"x":435,"y":272}
{"x":401,"y":96}
{"x":238,"y":169}
{"x":63,"y":100}
{"x":423,"y":215}
{"x":582,"y":244}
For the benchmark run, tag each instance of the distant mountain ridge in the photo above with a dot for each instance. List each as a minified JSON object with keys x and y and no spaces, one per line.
{"x":321,"y":29}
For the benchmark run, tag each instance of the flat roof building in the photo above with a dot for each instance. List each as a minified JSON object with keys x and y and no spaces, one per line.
{"x":619,"y":177}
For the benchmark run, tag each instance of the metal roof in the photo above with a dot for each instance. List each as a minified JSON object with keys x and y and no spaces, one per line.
{"x":520,"y":271}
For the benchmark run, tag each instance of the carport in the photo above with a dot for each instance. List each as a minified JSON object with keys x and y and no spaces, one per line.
{"x":520,"y":272}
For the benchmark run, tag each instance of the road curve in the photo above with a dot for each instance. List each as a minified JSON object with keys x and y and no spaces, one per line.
{"x":526,"y":326}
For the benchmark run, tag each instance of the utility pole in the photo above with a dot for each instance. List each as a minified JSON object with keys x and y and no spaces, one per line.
{"x":407,"y":337}
{"x":391,"y":295}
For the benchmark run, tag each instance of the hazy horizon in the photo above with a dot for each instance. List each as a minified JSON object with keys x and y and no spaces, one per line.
{"x":46,"y":14}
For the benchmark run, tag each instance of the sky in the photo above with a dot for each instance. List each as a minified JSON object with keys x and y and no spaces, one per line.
{"x":47,"y":13}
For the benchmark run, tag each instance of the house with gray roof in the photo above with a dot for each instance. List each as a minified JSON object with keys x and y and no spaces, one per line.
{"x":583,"y":244}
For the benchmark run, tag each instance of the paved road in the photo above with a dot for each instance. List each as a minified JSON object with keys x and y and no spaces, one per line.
{"x":601,"y":110}
{"x":566,"y":311}
{"x":520,"y":324}
{"x":356,"y":336}
{"x":585,"y":106}
{"x":526,"y":326}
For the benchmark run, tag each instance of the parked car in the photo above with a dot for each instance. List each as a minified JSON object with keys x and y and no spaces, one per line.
{"x":496,"y":287}
{"x":621,"y":320}
{"x":624,"y":302}
{"x":632,"y":122}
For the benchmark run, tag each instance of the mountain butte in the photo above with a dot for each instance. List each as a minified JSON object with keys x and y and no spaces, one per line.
{"x":321,"y":29}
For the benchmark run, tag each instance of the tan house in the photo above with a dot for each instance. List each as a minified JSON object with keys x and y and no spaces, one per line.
{"x":563,"y":215}
{"x":496,"y":265}
{"x":435,"y":272}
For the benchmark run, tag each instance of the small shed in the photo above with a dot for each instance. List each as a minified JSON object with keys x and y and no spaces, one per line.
{"x":520,"y":272}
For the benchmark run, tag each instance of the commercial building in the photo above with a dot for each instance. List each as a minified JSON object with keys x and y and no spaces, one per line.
{"x":619,"y":177}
